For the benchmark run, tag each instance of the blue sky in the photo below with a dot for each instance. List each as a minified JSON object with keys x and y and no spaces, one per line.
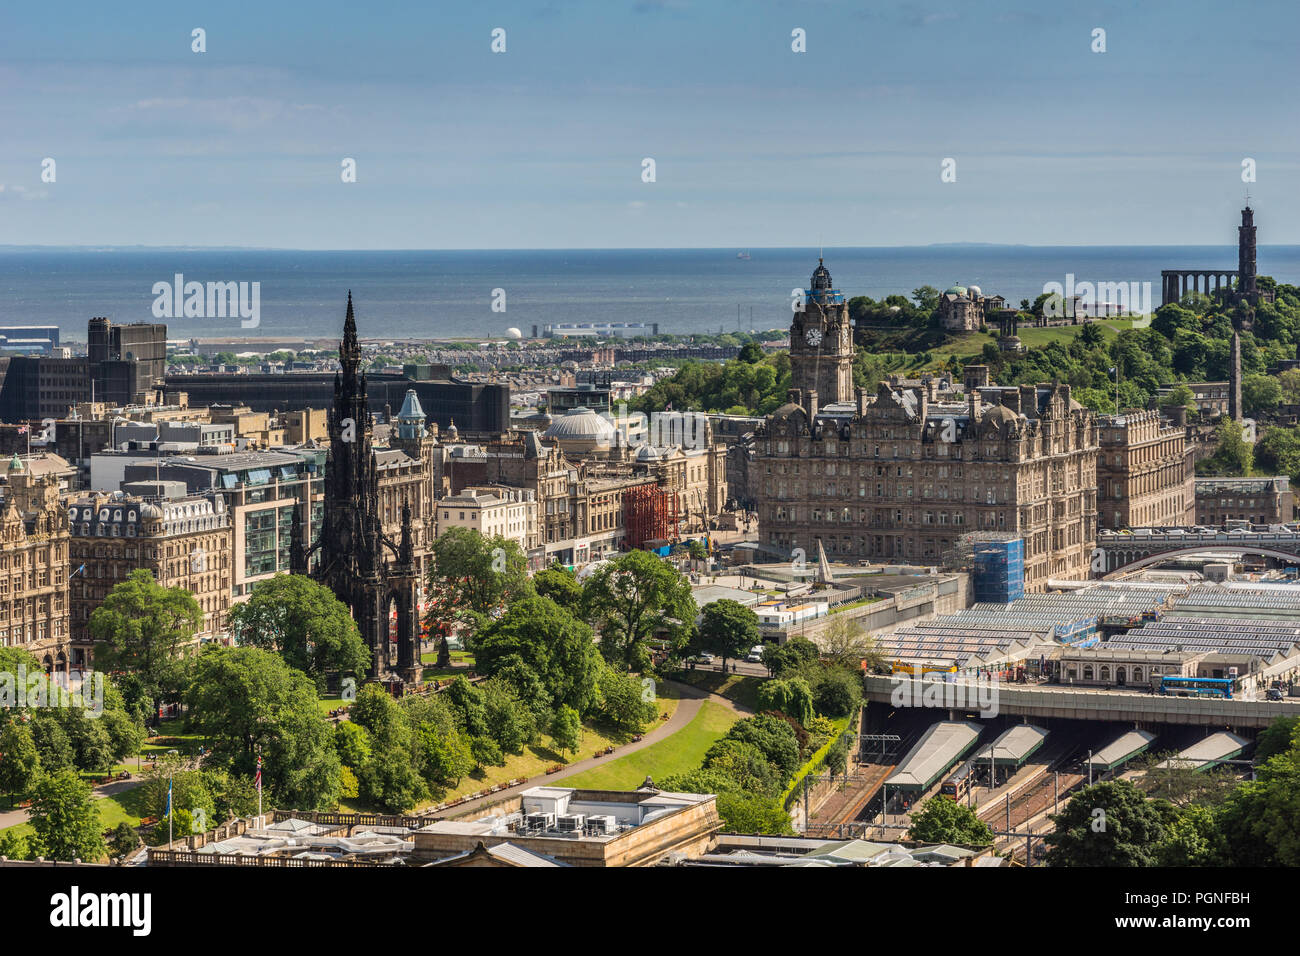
{"x":754,"y":145}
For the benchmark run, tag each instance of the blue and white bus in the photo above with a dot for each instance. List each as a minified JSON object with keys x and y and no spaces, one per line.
{"x":1197,"y":686}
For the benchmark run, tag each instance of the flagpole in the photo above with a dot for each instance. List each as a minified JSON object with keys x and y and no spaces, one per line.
{"x":169,"y":807}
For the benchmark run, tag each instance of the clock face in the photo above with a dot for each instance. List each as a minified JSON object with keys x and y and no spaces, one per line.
{"x":813,"y":336}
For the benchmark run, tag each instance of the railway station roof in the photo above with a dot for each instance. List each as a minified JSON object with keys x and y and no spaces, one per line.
{"x":938,"y":749}
{"x":1218,"y":746}
{"x":1123,"y":748}
{"x":1017,"y":745}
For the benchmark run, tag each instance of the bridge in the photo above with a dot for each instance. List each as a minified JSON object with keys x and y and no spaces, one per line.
{"x":1066,"y":702}
{"x":1121,"y":552}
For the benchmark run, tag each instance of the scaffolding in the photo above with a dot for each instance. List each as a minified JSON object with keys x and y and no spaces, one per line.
{"x":650,"y":512}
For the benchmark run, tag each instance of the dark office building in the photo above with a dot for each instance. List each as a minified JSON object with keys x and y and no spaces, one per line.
{"x":122,"y":366}
{"x":473,"y":407}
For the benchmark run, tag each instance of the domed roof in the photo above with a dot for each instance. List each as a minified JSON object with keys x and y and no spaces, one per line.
{"x":1000,"y":414}
{"x":580,"y":424}
{"x":15,"y":463}
{"x":975,"y":290}
{"x":955,"y":290}
{"x":647,"y":453}
{"x":821,"y":278}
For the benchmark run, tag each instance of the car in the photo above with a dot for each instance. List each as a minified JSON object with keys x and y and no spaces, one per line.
{"x":754,"y":657}
{"x":705,"y":658}
{"x":1274,"y":693}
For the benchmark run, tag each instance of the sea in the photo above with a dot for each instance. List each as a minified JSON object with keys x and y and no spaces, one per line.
{"x":480,"y":295}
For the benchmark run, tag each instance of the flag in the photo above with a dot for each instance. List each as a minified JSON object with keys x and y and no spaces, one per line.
{"x":22,"y":430}
{"x":257,"y":781}
{"x":169,"y":796}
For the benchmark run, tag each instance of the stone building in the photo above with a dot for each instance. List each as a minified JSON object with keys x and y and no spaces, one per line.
{"x":586,"y":477}
{"x":1257,"y":500}
{"x":821,"y":342}
{"x":34,"y":568}
{"x":1146,"y":474}
{"x":966,"y":308}
{"x":493,"y":510}
{"x":900,"y":479}
{"x":184,"y":540}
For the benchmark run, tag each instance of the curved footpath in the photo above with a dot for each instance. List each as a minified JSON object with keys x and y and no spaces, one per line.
{"x":692,"y":699}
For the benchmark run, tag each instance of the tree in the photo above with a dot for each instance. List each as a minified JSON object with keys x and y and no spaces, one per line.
{"x":1290,"y":382}
{"x":1180,"y":396}
{"x":1260,"y":393}
{"x":1233,"y":456}
{"x":560,"y":585}
{"x":750,"y":813}
{"x":566,"y":729}
{"x":352,"y":743}
{"x":744,"y":767}
{"x":1257,"y":821}
{"x":837,"y":692}
{"x":20,"y":764}
{"x":1108,"y":824}
{"x":751,"y":352}
{"x":1091,"y":335}
{"x":944,"y":820}
{"x":248,"y":702}
{"x":1278,"y":737}
{"x":509,"y":721}
{"x":781,"y":659}
{"x":447,"y":755}
{"x":304,"y":623}
{"x":124,"y":841}
{"x":471,"y":578}
{"x":1192,"y":839}
{"x":634,"y":597}
{"x":624,"y":702}
{"x":846,"y":643}
{"x":143,"y":629}
{"x":551,"y":641}
{"x":64,"y":819}
{"x":773,"y":737}
{"x":926,"y":298}
{"x":727,"y":628}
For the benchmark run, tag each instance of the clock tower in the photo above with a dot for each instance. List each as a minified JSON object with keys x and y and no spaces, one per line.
{"x":821,"y":342}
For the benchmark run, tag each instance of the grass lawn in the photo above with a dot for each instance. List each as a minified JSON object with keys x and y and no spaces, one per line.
{"x":741,"y":688}
{"x":125,"y":806}
{"x":679,"y":753}
{"x":971,"y":344}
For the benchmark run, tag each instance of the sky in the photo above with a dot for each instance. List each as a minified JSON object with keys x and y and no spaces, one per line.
{"x":542,"y":146}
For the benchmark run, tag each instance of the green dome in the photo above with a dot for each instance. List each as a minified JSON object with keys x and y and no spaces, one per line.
{"x":955,"y":290}
{"x":15,"y":464}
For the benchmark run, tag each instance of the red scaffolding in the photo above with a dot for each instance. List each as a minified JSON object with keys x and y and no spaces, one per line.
{"x":649,"y":512}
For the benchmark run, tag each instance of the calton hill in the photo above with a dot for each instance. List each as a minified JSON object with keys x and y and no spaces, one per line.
{"x":1111,"y":364}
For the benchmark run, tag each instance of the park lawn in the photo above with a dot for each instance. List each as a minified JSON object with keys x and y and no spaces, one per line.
{"x":678,"y":753}
{"x":126,"y":806}
{"x":741,"y":689}
{"x":971,"y":344}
